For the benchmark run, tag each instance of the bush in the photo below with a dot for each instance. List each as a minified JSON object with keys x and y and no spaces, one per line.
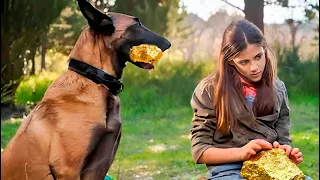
{"x":168,"y":86}
{"x":300,"y":77}
{"x":32,"y":89}
{"x":172,"y":82}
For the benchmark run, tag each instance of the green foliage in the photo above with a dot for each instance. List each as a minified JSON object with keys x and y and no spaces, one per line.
{"x":6,"y":93}
{"x":169,"y":80}
{"x":55,"y":62}
{"x":167,"y":86}
{"x":66,"y":29}
{"x":299,"y":77}
{"x":156,"y":14}
{"x":32,"y":89}
{"x":23,"y":26}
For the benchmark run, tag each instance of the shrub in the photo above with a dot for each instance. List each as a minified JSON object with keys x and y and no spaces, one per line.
{"x":32,"y":89}
{"x":168,"y":86}
{"x":300,"y":77}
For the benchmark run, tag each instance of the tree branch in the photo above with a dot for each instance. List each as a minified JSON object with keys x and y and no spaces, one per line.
{"x":233,"y":5}
{"x":277,"y":3}
{"x":302,"y":38}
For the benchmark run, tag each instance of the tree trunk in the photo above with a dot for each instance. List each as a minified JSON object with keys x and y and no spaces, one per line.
{"x":33,"y":67}
{"x":293,"y":37}
{"x":6,"y":62}
{"x":294,"y":27}
{"x":8,"y":73}
{"x":4,"y":55}
{"x":253,"y":10}
{"x":43,"y":54}
{"x":11,"y":73}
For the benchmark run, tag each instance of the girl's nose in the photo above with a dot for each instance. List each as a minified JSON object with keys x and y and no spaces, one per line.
{"x":254,"y":67}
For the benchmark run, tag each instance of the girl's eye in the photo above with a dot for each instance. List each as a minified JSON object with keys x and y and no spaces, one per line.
{"x":258,"y":57}
{"x":243,"y":62}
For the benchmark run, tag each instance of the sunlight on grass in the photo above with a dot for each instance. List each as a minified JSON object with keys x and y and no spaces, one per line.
{"x":305,"y":135}
{"x":157,"y":146}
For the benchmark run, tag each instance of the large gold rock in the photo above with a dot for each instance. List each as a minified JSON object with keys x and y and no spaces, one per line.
{"x":145,"y":53}
{"x":271,"y":165}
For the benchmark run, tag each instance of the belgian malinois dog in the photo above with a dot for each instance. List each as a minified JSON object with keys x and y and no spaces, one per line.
{"x":74,"y":132}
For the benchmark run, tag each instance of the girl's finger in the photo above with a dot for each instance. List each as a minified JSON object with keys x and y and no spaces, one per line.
{"x":252,"y":152}
{"x":299,"y":160}
{"x":263,"y":144}
{"x":298,"y":155}
{"x":276,"y":144}
{"x":256,"y":147}
{"x":295,"y":151}
{"x":287,"y":148}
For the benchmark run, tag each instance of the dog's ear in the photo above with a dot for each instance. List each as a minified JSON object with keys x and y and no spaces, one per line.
{"x":99,"y":21}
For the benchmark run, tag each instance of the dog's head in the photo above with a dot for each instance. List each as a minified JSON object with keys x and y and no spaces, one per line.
{"x":121,"y":32}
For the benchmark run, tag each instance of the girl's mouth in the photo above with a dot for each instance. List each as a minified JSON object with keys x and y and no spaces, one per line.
{"x":256,"y":74}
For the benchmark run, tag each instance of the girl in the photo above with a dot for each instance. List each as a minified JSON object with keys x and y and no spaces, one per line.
{"x":242,"y":108}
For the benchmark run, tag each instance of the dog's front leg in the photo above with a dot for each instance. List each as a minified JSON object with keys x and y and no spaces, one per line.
{"x":70,"y":147}
{"x":100,"y":160}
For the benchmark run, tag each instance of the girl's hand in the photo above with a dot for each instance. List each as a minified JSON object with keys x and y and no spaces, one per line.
{"x":252,"y":148}
{"x":293,"y":153}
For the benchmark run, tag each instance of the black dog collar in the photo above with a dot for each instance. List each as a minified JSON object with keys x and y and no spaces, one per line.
{"x":96,"y":75}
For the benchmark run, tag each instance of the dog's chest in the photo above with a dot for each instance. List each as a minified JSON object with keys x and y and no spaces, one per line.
{"x":113,"y":119}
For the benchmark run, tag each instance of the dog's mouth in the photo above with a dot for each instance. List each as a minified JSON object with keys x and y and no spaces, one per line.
{"x":145,"y":55}
{"x":143,"y":65}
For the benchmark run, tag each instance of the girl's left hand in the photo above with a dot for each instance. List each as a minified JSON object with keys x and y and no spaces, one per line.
{"x":293,"y":153}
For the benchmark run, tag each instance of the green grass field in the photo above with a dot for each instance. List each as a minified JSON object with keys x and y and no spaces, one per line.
{"x":156,"y":113}
{"x":157,"y":146}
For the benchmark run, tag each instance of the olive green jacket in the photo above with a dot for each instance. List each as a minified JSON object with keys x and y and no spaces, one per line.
{"x":273,"y":127}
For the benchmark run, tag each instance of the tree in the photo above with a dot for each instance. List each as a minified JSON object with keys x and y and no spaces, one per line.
{"x":153,"y":14}
{"x":310,"y":13}
{"x":65,"y":30}
{"x":103,"y":5}
{"x":294,"y":27}
{"x":23,"y":24}
{"x":254,"y":9}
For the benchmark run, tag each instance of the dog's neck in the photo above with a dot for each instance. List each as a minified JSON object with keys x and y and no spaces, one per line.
{"x":92,"y":49}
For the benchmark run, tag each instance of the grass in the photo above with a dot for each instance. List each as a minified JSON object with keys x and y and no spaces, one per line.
{"x":157,"y":119}
{"x":8,"y":130}
{"x":305,"y":136}
{"x":157,"y":146}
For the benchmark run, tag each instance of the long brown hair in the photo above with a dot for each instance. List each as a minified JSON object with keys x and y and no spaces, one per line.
{"x":228,"y":98}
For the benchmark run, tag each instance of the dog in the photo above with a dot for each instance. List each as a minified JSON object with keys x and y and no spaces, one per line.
{"x":74,"y":131}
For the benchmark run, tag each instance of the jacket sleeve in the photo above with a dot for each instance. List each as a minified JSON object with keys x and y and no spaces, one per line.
{"x":282,"y":126}
{"x":203,"y":121}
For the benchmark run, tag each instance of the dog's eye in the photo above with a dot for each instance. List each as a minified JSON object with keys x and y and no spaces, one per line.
{"x":138,"y":20}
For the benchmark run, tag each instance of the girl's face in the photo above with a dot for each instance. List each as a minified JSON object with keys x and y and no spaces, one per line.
{"x":251,"y":62}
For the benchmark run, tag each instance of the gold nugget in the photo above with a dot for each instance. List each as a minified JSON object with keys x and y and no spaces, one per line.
{"x":271,"y":165}
{"x":145,"y":53}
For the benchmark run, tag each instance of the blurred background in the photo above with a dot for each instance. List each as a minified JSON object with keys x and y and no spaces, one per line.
{"x":38,"y":35}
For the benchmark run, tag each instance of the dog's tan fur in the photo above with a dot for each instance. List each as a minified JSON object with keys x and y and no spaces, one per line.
{"x":69,"y":130}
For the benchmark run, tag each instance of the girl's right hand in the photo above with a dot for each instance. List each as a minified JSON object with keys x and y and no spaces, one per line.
{"x":252,"y":148}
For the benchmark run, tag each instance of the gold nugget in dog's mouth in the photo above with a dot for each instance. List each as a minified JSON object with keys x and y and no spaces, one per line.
{"x":145,"y":53}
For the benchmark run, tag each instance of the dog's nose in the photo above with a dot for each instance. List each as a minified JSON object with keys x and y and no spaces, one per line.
{"x":168,"y":44}
{"x":165,"y":45}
